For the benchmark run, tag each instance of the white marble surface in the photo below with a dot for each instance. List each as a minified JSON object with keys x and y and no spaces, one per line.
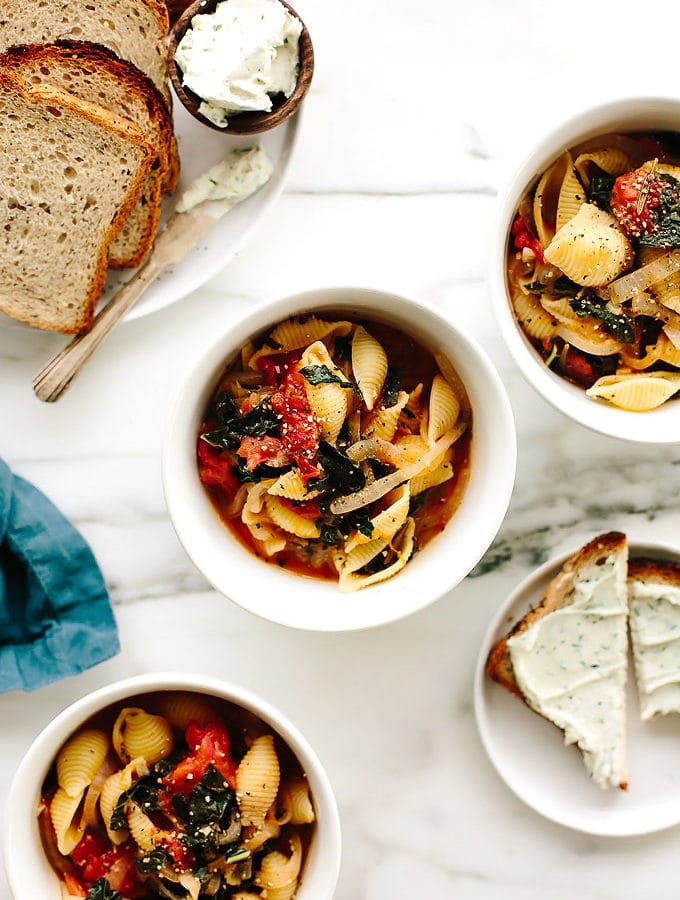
{"x":417,"y":115}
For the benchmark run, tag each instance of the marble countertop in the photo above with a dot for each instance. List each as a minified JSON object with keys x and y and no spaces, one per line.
{"x":417,"y":116}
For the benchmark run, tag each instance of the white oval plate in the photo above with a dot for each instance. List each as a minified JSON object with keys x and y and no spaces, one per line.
{"x":199,"y":149}
{"x":528,"y":752}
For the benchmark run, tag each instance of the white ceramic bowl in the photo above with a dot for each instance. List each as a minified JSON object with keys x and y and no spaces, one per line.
{"x":661,"y":425}
{"x":315,"y":604}
{"x":28,"y":871}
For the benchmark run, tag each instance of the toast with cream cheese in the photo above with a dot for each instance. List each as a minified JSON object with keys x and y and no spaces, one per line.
{"x":654,"y":597}
{"x":567,"y":657}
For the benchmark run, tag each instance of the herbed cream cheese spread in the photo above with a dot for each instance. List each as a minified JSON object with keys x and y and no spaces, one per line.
{"x":239,"y":56}
{"x":571,"y":667}
{"x":655,"y":633}
{"x":238,"y":176}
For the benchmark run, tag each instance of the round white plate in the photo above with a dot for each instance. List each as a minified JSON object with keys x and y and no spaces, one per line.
{"x":199,"y":149}
{"x":529,"y":753}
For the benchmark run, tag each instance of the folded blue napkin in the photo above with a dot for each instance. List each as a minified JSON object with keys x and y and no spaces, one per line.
{"x":55,"y":613}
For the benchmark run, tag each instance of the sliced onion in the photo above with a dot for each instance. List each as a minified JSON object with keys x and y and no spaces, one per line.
{"x":382,"y":486}
{"x":631,"y":285}
{"x":606,"y":347}
{"x":362,"y":450}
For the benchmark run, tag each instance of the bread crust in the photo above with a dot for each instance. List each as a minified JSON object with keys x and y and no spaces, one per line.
{"x":48,"y":96}
{"x":654,"y":570}
{"x":556,"y":595}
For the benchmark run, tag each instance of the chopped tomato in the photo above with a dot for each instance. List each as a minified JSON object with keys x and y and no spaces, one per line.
{"x":635,"y":200}
{"x":300,"y":429}
{"x":578,"y":368}
{"x":522,"y":237}
{"x":277,"y":365}
{"x":215,"y":469}
{"x":258,"y":450}
{"x":97,"y":858}
{"x":207,"y":746}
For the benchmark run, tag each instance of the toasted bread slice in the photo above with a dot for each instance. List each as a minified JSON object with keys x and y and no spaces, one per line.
{"x":70,"y":172}
{"x":134,"y":29}
{"x":567,"y":657}
{"x":96,"y":74}
{"x":654,"y":597}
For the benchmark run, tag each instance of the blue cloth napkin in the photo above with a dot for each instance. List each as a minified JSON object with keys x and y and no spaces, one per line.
{"x":55,"y":613}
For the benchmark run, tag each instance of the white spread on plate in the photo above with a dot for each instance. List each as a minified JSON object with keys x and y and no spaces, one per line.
{"x":655,"y":631}
{"x":571,"y":667}
{"x":239,"y":56}
{"x":238,"y":176}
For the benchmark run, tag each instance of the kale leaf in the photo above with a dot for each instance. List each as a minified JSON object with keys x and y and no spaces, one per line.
{"x":619,"y":325}
{"x":256,"y":422}
{"x":601,"y":187}
{"x":247,"y":476}
{"x":561,"y":287}
{"x":102,"y":890}
{"x":341,"y":475}
{"x":210,"y":815}
{"x":329,"y":534}
{"x":153,"y":861}
{"x":225,"y":407}
{"x":667,"y":233}
{"x":391,"y":386}
{"x":323,"y":375}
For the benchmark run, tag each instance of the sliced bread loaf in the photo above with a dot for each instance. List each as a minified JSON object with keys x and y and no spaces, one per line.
{"x":96,"y":74}
{"x":654,"y":593}
{"x":134,"y":29}
{"x":567,"y":657}
{"x":70,"y":172}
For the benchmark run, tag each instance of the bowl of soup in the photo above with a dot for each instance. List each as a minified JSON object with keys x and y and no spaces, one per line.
{"x":585,"y":273}
{"x":171,"y":785}
{"x":339,"y":458}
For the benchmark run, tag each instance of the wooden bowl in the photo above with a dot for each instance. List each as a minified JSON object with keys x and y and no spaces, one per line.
{"x":246,"y":122}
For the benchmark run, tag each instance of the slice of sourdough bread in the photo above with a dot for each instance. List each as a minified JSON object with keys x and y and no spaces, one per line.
{"x":70,"y":172}
{"x":567,"y":657}
{"x":134,"y":29}
{"x":654,"y":597}
{"x":95,"y":74}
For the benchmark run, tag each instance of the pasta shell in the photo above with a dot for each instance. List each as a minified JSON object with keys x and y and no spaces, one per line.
{"x":637,"y":393}
{"x":257,"y":780}
{"x":291,"y":486}
{"x":63,"y":810}
{"x":668,"y":292}
{"x":369,"y":364}
{"x":142,"y":829}
{"x":384,"y":421}
{"x":278,"y":873}
{"x":181,"y":707}
{"x":443,"y":409}
{"x":329,"y":402}
{"x":113,"y":787}
{"x":289,"y":520}
{"x":533,"y":319}
{"x":590,"y":249}
{"x":571,"y":195}
{"x":80,"y":759}
{"x":139,"y":733}
{"x":297,"y":801}
{"x":545,"y":199}
{"x":348,"y":582}
{"x":252,"y":837}
{"x":299,"y":332}
{"x":434,"y":477}
{"x":611,"y":160}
